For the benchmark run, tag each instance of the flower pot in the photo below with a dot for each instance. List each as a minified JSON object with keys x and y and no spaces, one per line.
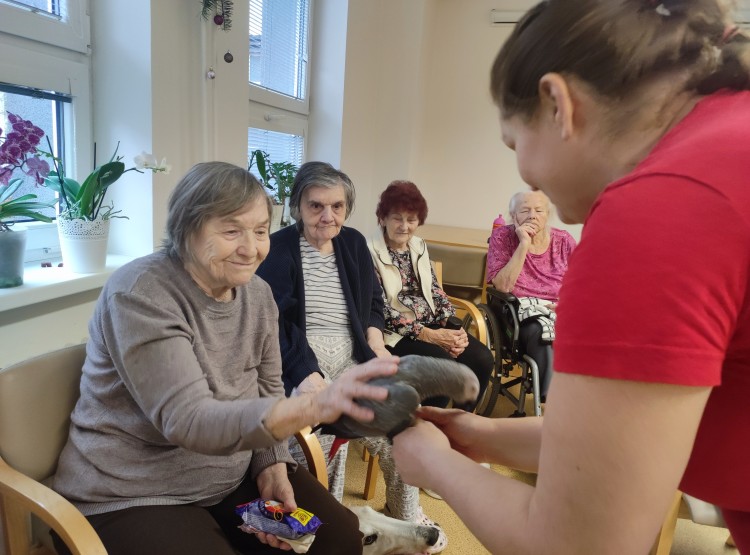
{"x":280,"y":216}
{"x":83,"y":244}
{"x":12,"y":248}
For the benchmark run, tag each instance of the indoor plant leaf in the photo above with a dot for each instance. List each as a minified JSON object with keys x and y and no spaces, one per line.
{"x":92,"y":190}
{"x":11,"y":188}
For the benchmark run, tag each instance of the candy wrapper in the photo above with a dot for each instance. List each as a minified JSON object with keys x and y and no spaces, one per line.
{"x":264,"y":515}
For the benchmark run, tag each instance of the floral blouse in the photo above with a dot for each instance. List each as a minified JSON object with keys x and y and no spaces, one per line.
{"x":411,"y":297}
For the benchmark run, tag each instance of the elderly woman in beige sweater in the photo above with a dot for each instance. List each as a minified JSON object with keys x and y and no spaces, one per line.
{"x":182,"y":414}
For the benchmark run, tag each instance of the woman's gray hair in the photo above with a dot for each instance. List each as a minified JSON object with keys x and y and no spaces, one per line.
{"x":517,"y":198}
{"x":208,"y":190}
{"x":319,"y":174}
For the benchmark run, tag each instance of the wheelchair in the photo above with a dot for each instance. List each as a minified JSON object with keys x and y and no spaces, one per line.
{"x":503,"y":326}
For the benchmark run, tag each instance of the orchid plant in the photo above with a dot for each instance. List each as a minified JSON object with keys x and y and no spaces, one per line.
{"x":18,"y":151}
{"x":85,"y":201}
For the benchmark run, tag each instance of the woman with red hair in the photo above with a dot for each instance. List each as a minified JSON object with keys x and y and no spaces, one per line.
{"x":416,"y":308}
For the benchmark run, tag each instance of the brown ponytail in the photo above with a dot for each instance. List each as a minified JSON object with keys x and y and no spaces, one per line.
{"x":614,"y":45}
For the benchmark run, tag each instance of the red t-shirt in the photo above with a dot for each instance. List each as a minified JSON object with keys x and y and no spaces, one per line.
{"x":658,"y":289}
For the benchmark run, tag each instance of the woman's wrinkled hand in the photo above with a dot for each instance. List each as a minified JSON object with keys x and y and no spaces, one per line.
{"x":338,"y":397}
{"x":273,"y":541}
{"x":311,"y":384}
{"x":452,"y":341}
{"x":526,"y":231}
{"x":273,"y":483}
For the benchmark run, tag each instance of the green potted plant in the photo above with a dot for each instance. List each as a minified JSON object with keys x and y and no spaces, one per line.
{"x":83,"y":222}
{"x":18,"y":152}
{"x":277,"y":177}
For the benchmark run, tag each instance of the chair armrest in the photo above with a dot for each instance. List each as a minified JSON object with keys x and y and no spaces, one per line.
{"x":473,"y":311}
{"x":316,"y":461}
{"x":21,"y":495}
{"x":508,"y":304}
{"x":502,"y":296}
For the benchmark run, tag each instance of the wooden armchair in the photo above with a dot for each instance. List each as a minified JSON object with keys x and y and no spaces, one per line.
{"x":37,"y":397}
{"x":474,"y":323}
{"x":685,"y":506}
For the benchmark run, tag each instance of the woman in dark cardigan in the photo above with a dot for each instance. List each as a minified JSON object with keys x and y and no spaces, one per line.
{"x":330,"y":311}
{"x":364,"y":299}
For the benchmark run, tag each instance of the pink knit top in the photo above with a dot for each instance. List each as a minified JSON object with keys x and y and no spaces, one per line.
{"x":542,"y":274}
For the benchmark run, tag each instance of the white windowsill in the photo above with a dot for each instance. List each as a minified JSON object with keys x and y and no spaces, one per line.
{"x":43,"y":284}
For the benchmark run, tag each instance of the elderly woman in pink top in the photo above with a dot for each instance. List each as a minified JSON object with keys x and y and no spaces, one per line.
{"x":528,"y":258}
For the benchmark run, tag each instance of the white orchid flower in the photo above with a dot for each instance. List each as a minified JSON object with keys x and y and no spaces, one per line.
{"x":163,"y":167}
{"x":147,"y":161}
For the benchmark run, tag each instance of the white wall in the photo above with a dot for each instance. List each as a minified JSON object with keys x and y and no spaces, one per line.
{"x":470,"y":174}
{"x":417,"y":106}
{"x":382,"y":100}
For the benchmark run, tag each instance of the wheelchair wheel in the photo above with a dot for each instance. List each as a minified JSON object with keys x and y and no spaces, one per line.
{"x":487,"y":403}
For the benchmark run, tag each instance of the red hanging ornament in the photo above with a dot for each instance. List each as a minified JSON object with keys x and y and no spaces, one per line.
{"x":221,"y":10}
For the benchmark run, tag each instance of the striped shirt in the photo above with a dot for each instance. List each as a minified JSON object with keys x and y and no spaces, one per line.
{"x":326,"y":312}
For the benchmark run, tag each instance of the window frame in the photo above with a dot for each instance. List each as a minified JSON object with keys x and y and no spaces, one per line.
{"x":262,"y":117}
{"x":71,"y":33}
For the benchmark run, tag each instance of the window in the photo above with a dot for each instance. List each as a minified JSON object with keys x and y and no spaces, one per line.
{"x":278,"y":48}
{"x":278,"y":75}
{"x":46,"y":110}
{"x":45,"y":73}
{"x":282,"y":147}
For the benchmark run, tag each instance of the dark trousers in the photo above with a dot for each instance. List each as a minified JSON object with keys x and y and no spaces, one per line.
{"x":193,"y":530}
{"x":476,"y":356}
{"x":532,"y":344}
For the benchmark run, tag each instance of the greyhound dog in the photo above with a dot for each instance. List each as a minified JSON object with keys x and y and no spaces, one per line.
{"x":384,"y":535}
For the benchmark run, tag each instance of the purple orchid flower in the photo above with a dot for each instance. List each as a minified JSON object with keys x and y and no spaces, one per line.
{"x":37,"y":168}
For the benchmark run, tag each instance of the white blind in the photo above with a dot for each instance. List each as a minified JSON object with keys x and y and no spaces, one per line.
{"x":278,"y":46}
{"x":281,"y":147}
{"x":54,"y":8}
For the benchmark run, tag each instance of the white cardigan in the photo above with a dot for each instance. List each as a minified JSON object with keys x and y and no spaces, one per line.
{"x":390,"y":277}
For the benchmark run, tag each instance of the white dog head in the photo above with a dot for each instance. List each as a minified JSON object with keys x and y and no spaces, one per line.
{"x":384,"y":535}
